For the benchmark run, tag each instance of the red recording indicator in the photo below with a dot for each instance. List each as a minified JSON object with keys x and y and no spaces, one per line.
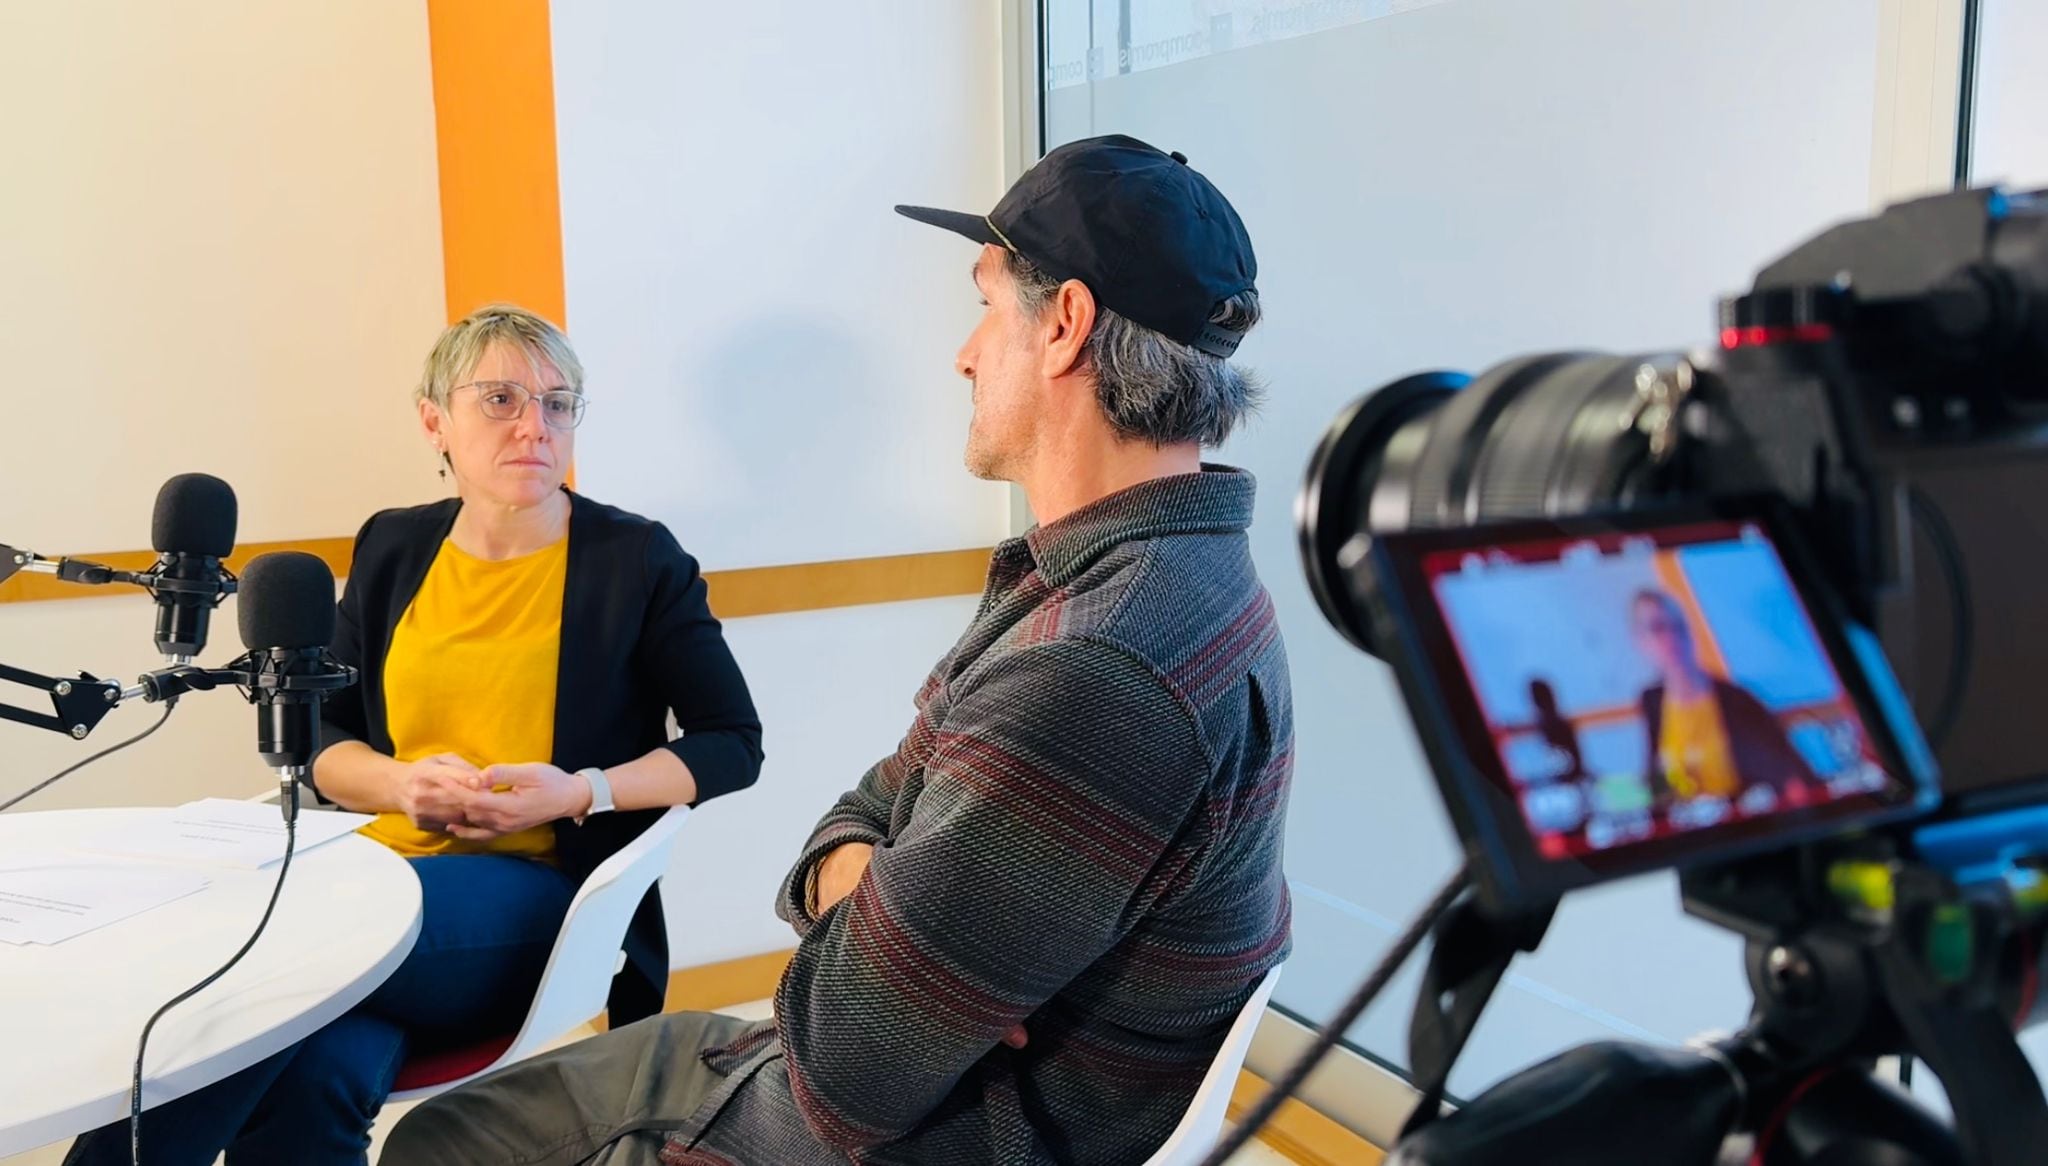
{"x":1757,"y":335}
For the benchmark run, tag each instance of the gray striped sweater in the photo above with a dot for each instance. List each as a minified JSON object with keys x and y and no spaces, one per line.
{"x":1081,"y":833}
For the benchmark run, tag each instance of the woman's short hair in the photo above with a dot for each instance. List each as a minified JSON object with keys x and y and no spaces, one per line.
{"x":1661,"y":599}
{"x":463,"y":345}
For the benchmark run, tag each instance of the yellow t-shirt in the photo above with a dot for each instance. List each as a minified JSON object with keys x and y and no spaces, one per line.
{"x":1694,"y":750}
{"x":471,"y":671}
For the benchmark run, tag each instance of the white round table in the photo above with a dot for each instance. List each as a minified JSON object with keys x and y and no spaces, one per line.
{"x":71,"y":1013}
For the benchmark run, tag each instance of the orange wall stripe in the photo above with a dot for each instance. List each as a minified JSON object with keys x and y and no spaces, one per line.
{"x":1674,"y":580}
{"x":494,"y":124}
{"x":1625,"y":713}
{"x":494,"y":132}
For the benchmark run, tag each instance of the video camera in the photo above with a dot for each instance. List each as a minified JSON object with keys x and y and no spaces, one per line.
{"x":1767,"y":614}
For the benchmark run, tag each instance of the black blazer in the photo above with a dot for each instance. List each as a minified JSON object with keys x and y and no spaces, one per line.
{"x":638,"y":640}
{"x":1760,"y":750}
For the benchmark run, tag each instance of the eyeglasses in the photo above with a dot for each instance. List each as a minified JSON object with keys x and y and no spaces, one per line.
{"x":506,"y":401}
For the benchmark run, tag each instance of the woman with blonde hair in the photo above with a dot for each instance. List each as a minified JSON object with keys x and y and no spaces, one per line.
{"x":1708,"y":736}
{"x":522,"y":648}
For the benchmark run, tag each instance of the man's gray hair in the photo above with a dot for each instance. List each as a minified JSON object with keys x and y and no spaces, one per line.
{"x":1153,"y":388}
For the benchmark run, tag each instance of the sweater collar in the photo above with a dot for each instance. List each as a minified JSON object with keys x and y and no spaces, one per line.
{"x":1216,"y":500}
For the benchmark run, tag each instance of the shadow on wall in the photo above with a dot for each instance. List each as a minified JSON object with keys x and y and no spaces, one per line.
{"x":768,"y":408}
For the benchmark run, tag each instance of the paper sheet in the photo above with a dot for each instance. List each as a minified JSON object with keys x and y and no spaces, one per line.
{"x":222,"y":832}
{"x":49,"y":898}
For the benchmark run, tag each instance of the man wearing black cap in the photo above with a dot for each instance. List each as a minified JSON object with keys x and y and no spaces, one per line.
{"x":1025,"y":933}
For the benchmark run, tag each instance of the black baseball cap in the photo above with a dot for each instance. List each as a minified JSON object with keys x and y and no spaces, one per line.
{"x":1155,"y":241}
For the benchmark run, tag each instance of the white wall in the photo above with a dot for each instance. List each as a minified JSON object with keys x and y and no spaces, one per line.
{"x":769,"y":346}
{"x":770,"y":355}
{"x":1444,"y":188}
{"x":2011,"y":144}
{"x":834,"y":690}
{"x":764,"y":336}
{"x":221,"y":253}
{"x":206,"y":749}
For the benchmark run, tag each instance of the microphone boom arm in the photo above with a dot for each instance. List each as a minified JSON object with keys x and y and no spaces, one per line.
{"x":155,"y":580}
{"x":14,"y":560}
{"x":80,"y":703}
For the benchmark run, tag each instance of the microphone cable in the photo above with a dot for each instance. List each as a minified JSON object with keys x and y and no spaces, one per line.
{"x":111,"y":749}
{"x":291,"y":834}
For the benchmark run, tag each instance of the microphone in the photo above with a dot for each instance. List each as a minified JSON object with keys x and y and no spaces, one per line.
{"x":287,"y":622}
{"x":192,"y":530}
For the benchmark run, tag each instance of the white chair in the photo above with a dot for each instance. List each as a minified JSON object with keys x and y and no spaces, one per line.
{"x":580,"y":968}
{"x":1202,"y":1125}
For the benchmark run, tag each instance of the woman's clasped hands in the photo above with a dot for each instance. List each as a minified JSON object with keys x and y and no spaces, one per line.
{"x":448,"y":793}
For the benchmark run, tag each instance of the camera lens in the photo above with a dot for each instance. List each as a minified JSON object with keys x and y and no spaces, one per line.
{"x":1551,"y":435}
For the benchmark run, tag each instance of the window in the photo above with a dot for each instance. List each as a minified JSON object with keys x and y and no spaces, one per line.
{"x":1444,"y":185}
{"x":1087,"y":40}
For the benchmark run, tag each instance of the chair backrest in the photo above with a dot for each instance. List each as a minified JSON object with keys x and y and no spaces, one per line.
{"x":1200,"y":1127}
{"x":578,"y":978}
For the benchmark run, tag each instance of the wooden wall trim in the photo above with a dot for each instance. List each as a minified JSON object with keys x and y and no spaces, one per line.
{"x":707,"y":987}
{"x":734,"y":594}
{"x":26,"y":588}
{"x":1302,"y":1134}
{"x":847,"y":582}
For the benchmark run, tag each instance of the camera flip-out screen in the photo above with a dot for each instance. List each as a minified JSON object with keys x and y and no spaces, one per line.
{"x":1606,"y":695}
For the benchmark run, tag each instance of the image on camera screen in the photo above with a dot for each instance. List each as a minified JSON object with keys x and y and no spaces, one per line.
{"x":1642,"y":685}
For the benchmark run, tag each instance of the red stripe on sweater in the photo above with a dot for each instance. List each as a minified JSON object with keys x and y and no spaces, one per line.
{"x":1131,"y":1064}
{"x":899,"y":957}
{"x":1242,"y":963}
{"x":1043,"y":625}
{"x":1246,"y":646}
{"x":1128,"y":848}
{"x":1199,"y":658}
{"x":827,"y":1123}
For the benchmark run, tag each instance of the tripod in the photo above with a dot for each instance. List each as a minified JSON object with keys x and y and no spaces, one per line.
{"x":1854,"y":952}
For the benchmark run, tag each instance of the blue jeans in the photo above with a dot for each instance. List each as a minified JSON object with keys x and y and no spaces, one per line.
{"x":487,"y":925}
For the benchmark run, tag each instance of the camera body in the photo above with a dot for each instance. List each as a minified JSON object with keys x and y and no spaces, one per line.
{"x":1767,"y":612}
{"x":1889,"y":379}
{"x":1886,"y":382}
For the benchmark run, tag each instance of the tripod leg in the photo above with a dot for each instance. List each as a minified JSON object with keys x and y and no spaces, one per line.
{"x":1471,"y":952}
{"x":2001,"y":1116}
{"x":1954,"y":1024}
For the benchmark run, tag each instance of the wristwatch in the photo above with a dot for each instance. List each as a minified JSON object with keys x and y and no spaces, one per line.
{"x":600,"y":793}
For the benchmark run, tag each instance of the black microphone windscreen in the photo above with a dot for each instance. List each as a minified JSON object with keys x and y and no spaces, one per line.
{"x":286,"y":601}
{"x":195,"y":514}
